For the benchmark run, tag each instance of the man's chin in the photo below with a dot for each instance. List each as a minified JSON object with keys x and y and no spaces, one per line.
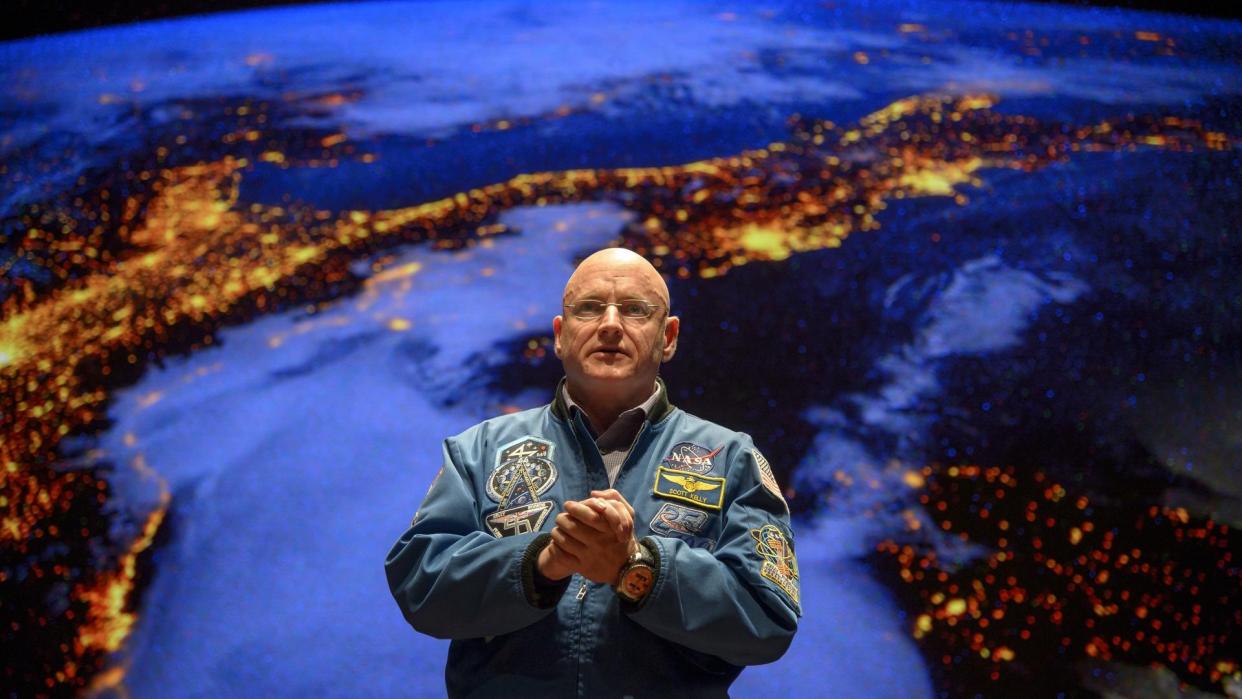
{"x":608,"y":373}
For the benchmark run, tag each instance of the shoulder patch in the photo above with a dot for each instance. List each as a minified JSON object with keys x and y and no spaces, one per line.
{"x":779,"y":564}
{"x":687,"y":456}
{"x":430,"y":488}
{"x":768,"y":478}
{"x":704,"y":491}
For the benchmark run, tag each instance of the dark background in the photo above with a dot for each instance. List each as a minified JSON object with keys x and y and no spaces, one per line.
{"x":31,"y":17}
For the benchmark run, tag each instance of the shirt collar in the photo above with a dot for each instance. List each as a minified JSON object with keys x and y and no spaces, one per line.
{"x":621,"y":433}
{"x":644,"y":406}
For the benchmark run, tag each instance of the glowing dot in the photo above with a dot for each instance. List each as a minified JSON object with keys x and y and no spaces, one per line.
{"x":398,"y":324}
{"x":768,"y":242}
{"x":922,"y":625}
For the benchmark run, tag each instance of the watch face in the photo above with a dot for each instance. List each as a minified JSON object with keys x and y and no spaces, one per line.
{"x":637,"y":581}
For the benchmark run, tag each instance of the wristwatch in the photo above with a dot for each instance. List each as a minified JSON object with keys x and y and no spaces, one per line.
{"x":637,"y":575}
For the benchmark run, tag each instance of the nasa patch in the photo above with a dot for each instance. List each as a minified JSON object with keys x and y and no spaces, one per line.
{"x":687,"y":456}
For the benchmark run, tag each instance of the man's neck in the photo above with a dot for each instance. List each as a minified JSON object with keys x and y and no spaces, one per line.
{"x":603,"y":410}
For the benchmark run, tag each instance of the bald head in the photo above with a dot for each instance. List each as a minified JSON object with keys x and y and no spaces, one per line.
{"x":616,"y":264}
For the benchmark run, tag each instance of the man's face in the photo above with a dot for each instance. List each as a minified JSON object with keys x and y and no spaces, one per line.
{"x":612,"y":353}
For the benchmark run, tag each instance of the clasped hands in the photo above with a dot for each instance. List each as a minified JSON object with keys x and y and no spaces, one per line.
{"x":592,"y":537}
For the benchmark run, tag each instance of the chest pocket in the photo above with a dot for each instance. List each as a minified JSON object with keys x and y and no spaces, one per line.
{"x":696,"y":527}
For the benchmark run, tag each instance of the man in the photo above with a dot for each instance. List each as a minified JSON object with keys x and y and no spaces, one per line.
{"x":608,"y":544}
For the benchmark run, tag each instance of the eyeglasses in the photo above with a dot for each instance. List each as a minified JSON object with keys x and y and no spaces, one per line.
{"x":632,"y":309}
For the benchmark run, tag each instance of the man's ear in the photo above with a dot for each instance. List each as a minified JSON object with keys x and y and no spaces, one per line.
{"x":672,"y":326}
{"x":556,"y":334}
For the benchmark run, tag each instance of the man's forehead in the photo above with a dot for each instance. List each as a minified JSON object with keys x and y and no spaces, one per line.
{"x":611,"y":279}
{"x":622,"y":274}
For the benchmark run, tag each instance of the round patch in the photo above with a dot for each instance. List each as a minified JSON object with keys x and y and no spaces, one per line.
{"x":687,"y":456}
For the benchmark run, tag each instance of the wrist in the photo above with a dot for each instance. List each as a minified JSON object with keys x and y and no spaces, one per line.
{"x":547,"y":569}
{"x":540,"y":592}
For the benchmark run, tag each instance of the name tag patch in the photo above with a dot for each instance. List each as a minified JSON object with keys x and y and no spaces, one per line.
{"x":704,"y":491}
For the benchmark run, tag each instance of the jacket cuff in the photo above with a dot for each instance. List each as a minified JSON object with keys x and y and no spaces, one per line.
{"x":540,"y":592}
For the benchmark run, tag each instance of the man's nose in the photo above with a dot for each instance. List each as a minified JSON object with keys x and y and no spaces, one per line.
{"x":610,"y":322}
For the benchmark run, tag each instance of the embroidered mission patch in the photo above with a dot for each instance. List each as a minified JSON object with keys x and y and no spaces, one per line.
{"x":524,"y":471}
{"x":779,"y":564}
{"x":681,"y":522}
{"x":686,"y":456}
{"x":704,"y":491}
{"x":522,"y":519}
{"x":767,"y":477}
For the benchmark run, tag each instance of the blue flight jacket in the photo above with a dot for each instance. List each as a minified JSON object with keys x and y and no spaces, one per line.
{"x":726,"y":591}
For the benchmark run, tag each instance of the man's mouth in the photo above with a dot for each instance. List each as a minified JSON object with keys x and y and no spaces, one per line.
{"x":609,"y":352}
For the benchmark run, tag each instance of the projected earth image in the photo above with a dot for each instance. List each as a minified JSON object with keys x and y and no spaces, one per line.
{"x":967,"y":272}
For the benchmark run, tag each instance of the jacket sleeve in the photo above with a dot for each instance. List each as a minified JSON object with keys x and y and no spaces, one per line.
{"x":450,"y":576}
{"x":742,"y":602}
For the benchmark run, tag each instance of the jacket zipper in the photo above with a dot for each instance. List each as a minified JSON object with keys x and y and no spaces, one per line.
{"x":579,"y":641}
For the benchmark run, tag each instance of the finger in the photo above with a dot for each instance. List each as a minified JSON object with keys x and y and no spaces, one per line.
{"x":584,"y":510}
{"x":572,"y":527}
{"x":556,"y":551}
{"x":615,"y":496}
{"x":584,"y":534}
{"x":597,"y":504}
{"x":569,"y":544}
{"x":620,"y":522}
{"x":587,"y":516}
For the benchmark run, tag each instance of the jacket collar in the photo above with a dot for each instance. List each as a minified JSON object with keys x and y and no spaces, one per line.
{"x":658,"y":412}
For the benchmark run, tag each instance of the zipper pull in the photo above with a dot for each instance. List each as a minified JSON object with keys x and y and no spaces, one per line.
{"x":582,"y":592}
